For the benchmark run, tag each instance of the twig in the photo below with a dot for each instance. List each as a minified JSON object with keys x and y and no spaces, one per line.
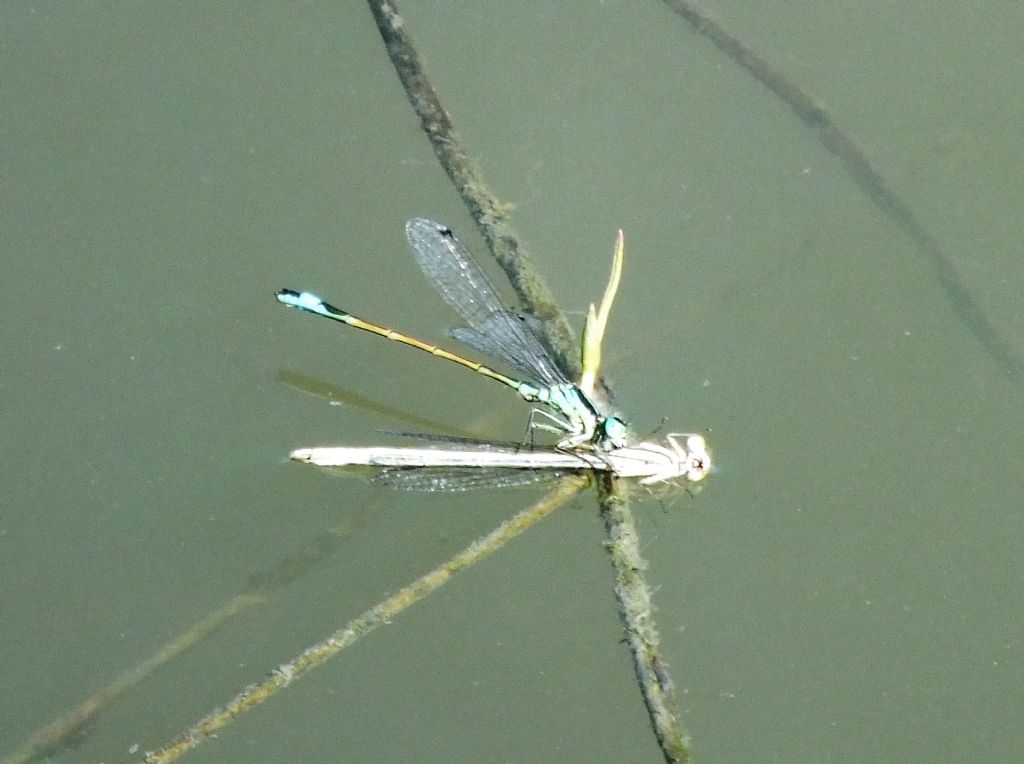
{"x":491,"y":217}
{"x":379,"y":615}
{"x":634,"y":598}
{"x":59,"y":734}
{"x":55,"y":737}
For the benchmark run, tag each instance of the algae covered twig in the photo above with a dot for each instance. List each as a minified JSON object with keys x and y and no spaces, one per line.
{"x":641,"y":632}
{"x":59,"y":734}
{"x":63,"y":732}
{"x":491,"y":216}
{"x":379,"y":615}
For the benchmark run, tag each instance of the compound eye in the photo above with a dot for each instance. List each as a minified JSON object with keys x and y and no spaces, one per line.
{"x":699,"y":459}
{"x":615,"y":431}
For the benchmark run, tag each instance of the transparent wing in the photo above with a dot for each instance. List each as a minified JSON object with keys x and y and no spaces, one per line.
{"x":449,"y":480}
{"x":480,"y":443}
{"x":464,"y":285}
{"x":500,"y":338}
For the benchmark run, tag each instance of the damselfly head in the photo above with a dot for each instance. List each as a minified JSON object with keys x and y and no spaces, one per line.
{"x":698,"y":458}
{"x":694,"y":459}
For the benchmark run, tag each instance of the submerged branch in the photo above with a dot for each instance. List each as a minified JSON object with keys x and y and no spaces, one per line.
{"x":634,"y":598}
{"x":379,"y":615}
{"x":491,"y":217}
{"x":864,"y":174}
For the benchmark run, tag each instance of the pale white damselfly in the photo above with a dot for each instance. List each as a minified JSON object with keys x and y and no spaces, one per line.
{"x":443,"y":466}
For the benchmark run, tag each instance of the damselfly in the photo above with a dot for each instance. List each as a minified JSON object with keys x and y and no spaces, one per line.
{"x":493,"y":330}
{"x":462,"y":464}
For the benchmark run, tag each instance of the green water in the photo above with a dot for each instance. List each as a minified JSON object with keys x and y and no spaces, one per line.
{"x":846,"y":588}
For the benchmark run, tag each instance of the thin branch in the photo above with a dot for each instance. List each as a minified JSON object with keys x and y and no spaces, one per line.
{"x":634,"y":598}
{"x":379,"y":615}
{"x":56,"y":736}
{"x":491,"y":217}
